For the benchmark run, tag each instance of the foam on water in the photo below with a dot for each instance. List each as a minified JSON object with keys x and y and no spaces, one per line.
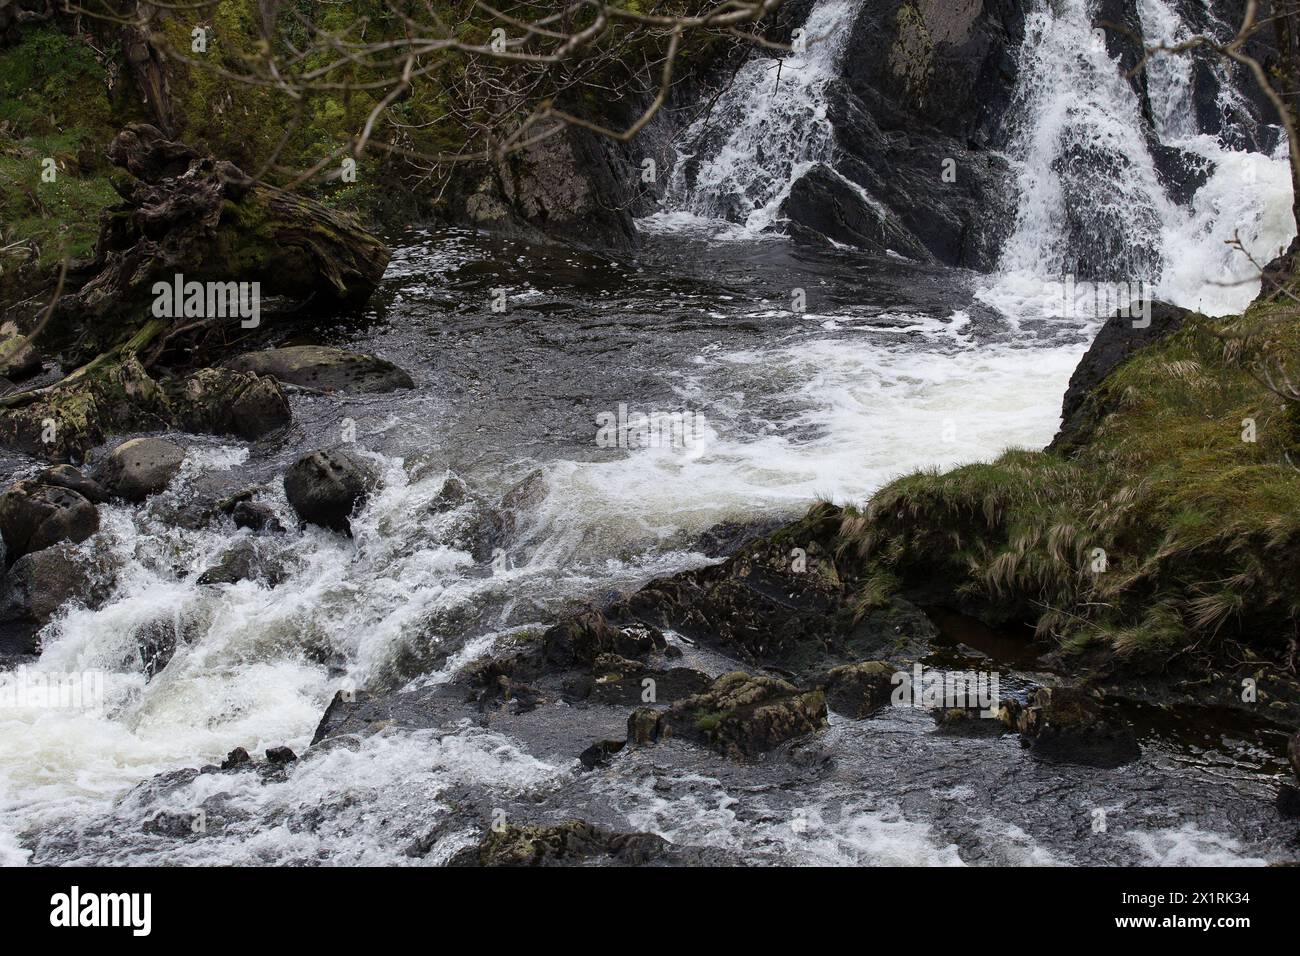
{"x":1189,"y":845}
{"x":255,"y":666}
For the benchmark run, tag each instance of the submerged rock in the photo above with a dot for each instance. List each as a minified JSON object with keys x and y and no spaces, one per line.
{"x":34,"y":516}
{"x":600,"y":753}
{"x":617,"y":680}
{"x":243,"y":562}
{"x":740,"y":715}
{"x":1288,"y":801}
{"x":1070,"y":725}
{"x":859,"y":690}
{"x":324,"y":487}
{"x":323,"y":368}
{"x":563,"y":843}
{"x":250,"y":514}
{"x":141,"y":467}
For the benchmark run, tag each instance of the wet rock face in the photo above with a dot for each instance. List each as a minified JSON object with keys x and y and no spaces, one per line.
{"x":325,"y":487}
{"x":783,"y":601}
{"x":141,"y":467}
{"x":586,"y":636}
{"x":740,"y":716}
{"x":221,"y":401}
{"x":36,"y":587}
{"x":565,"y":843}
{"x":568,"y":187}
{"x":34,"y":516}
{"x":1071,"y":725}
{"x":924,"y":89}
{"x":1118,"y":339}
{"x":325,"y":369}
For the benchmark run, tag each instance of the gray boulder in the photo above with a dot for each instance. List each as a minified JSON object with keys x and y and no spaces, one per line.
{"x":323,"y":368}
{"x":36,"y":587}
{"x":324,"y":487}
{"x":243,"y":561}
{"x":34,"y":516}
{"x":141,"y":467}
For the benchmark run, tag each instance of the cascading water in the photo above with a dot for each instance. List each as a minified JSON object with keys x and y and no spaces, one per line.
{"x":889,"y":370}
{"x":1091,"y":199}
{"x":738,"y":161}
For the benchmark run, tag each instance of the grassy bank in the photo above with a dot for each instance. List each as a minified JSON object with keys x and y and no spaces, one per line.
{"x":1169,"y":532}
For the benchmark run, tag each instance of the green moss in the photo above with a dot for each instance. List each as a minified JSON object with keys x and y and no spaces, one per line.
{"x":53,"y":106}
{"x":58,"y":217}
{"x":707,"y":723}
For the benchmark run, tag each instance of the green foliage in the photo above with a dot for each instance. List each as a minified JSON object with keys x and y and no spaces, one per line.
{"x":54,"y":104}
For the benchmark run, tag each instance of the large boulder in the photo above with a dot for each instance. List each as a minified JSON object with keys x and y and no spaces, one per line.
{"x":325,"y":369}
{"x":34,"y":516}
{"x":324,"y":487}
{"x":786,"y":600}
{"x":221,"y":401}
{"x":36,"y":587}
{"x":740,"y":715}
{"x":585,"y":636}
{"x":141,"y":467}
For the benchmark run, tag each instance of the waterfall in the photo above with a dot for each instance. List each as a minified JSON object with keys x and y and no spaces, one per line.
{"x":1092,"y":203}
{"x":739,"y":160}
